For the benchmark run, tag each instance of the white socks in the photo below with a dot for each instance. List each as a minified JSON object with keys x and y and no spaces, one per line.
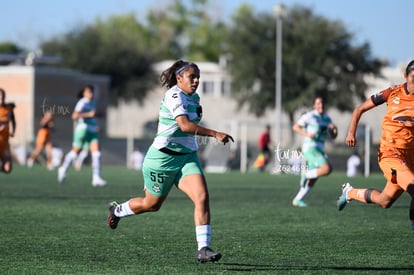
{"x":203,"y":235}
{"x":123,"y":210}
{"x":311,"y":174}
{"x":68,"y":159}
{"x":96,"y":164}
{"x":303,"y":191}
{"x":81,"y":157}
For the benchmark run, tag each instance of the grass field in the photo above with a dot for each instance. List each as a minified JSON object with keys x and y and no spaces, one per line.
{"x":48,"y":228}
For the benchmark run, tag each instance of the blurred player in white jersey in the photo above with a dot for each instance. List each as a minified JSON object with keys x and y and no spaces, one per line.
{"x":85,"y":131}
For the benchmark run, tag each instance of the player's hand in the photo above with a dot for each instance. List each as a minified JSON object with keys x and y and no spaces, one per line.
{"x":350,"y":140}
{"x":224,"y":138}
{"x":333,"y":131}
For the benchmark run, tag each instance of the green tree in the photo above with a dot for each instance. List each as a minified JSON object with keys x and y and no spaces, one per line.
{"x":187,"y":30}
{"x":125,"y":49}
{"x":113,"y":47}
{"x":10,"y":47}
{"x":319,"y":58}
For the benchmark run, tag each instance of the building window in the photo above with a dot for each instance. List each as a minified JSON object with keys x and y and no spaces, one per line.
{"x":208,"y":88}
{"x":225,"y":88}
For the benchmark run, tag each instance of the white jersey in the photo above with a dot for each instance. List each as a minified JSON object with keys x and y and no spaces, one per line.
{"x":177,"y":103}
{"x":83,"y":106}
{"x":313,"y":122}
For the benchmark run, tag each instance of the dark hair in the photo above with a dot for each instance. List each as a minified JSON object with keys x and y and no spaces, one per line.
{"x":168,"y":77}
{"x":2,"y":93}
{"x":90,"y":87}
{"x":410,"y":67}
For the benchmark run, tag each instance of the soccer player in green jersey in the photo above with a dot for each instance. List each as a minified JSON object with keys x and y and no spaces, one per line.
{"x":172,"y":158}
{"x":85,"y":132}
{"x":315,"y":126}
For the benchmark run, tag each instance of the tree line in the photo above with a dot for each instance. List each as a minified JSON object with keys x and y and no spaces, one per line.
{"x":320,"y":56}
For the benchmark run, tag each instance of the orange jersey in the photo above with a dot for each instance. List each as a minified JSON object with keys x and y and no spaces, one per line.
{"x":6,"y":112}
{"x":398,"y":122}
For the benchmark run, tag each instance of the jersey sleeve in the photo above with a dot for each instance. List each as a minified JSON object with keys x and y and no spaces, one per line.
{"x":79,"y":105}
{"x":175,"y":104}
{"x":303,"y":120}
{"x":381,"y":97}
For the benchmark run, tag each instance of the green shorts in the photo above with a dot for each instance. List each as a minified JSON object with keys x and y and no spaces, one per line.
{"x":315,"y":157}
{"x":82,"y":138}
{"x":161,"y":171}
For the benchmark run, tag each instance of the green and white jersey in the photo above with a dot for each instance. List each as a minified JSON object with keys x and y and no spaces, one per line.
{"x":83,"y":106}
{"x":313,"y":122}
{"x":177,"y":103}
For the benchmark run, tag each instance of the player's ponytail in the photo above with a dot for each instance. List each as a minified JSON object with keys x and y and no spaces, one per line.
{"x":168,"y":77}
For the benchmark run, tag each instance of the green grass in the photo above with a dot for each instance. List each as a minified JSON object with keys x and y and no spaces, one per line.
{"x":49,"y":228}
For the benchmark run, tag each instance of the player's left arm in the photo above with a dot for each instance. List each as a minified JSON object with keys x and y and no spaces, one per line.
{"x":188,"y":126}
{"x":12,"y":121}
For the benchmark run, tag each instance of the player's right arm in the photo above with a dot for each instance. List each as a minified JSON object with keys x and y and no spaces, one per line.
{"x":77,"y":113}
{"x":375,"y":100}
{"x":356,"y":115}
{"x":301,"y":131}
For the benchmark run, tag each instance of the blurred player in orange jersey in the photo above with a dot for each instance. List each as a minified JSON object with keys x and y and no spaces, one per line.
{"x":43,"y":141}
{"x":396,"y":148}
{"x":6,"y":119}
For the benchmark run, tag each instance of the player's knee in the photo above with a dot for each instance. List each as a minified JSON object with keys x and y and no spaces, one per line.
{"x":327,"y":169}
{"x":386,"y":204}
{"x":153,"y":206}
{"x":202,"y":198}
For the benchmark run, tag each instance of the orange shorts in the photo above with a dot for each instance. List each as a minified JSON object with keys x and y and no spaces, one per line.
{"x":397,"y":166}
{"x":43,"y":137}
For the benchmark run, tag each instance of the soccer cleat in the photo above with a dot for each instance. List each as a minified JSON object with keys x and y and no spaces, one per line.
{"x":112,"y":219}
{"x":299,"y":203}
{"x":343,"y":200}
{"x":206,"y":254}
{"x":98,"y":181}
{"x":61,"y":174}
